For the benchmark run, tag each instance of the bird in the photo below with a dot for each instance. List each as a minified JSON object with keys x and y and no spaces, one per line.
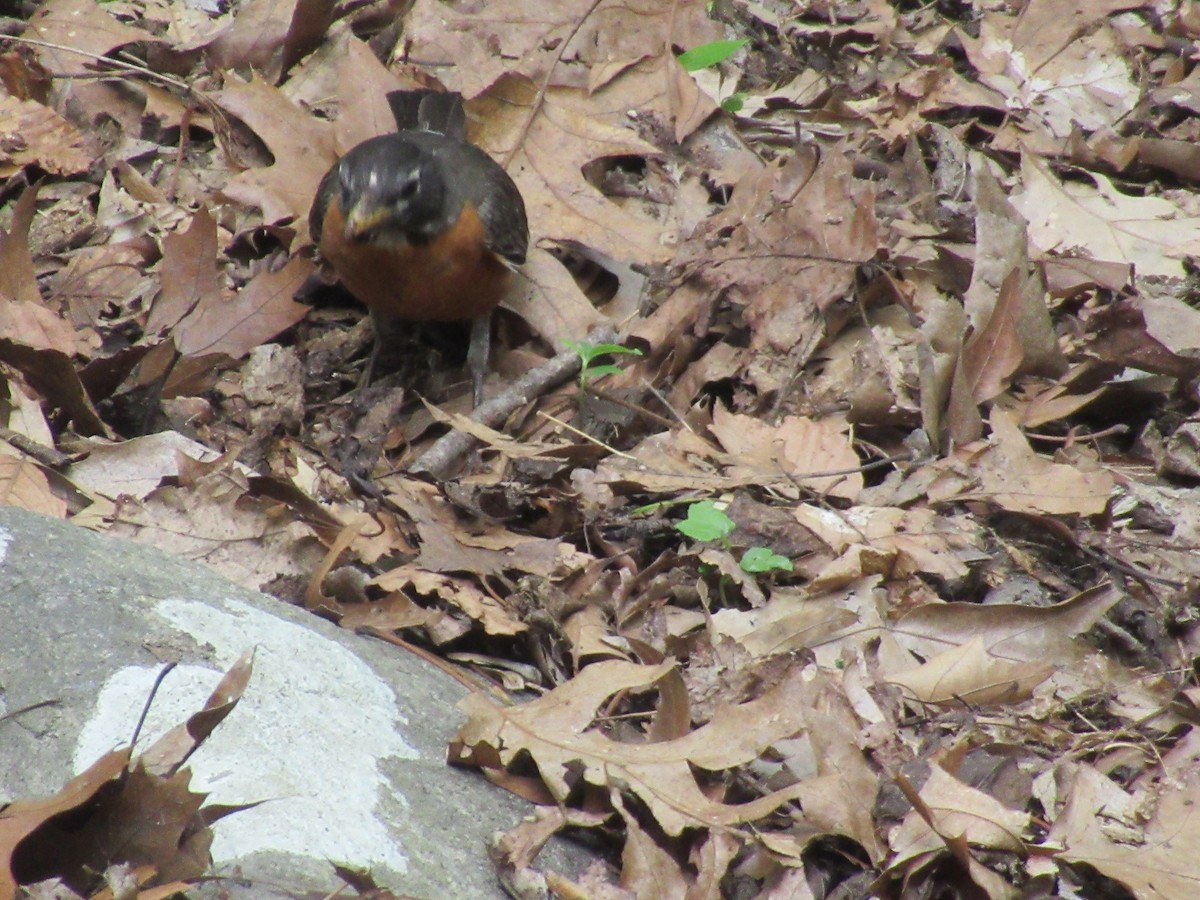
{"x":421,"y":225}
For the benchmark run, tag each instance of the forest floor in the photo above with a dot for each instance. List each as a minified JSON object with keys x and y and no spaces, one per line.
{"x":863,"y":562}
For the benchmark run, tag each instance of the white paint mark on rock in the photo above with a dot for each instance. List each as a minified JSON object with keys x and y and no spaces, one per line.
{"x":308,"y":736}
{"x":5,"y":540}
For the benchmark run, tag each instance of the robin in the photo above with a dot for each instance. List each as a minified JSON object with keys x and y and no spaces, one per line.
{"x":422,"y":225}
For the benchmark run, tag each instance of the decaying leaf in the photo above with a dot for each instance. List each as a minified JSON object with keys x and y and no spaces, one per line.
{"x":121,"y":810}
{"x":915,"y":306}
{"x":556,"y":731}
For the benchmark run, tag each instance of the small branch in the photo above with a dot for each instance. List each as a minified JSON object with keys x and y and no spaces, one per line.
{"x":587,"y":437}
{"x":119,"y":64}
{"x":47,"y":456}
{"x":446,"y":450}
{"x":667,"y":405}
{"x":1071,"y":437}
{"x":540,"y":97}
{"x":600,"y":394}
{"x":41,"y":704}
{"x":1110,"y":561}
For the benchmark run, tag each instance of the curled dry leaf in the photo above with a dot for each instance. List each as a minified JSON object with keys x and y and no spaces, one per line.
{"x":1008,"y":631}
{"x":1152,"y":233}
{"x":557,"y":732}
{"x":1006,"y":300}
{"x":1006,"y":471}
{"x":138,"y":812}
{"x":968,"y":674}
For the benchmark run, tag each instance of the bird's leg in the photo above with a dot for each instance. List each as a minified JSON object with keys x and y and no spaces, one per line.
{"x":477,"y":354}
{"x":389,"y":334}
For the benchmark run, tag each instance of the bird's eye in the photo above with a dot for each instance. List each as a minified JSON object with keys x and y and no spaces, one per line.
{"x":409,"y":189}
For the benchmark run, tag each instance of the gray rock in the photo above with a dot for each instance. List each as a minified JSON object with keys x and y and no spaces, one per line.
{"x":343,"y":736}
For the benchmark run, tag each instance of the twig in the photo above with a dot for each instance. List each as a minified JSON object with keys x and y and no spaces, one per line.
{"x":853,"y":470}
{"x":666,"y":404}
{"x":47,"y":456}
{"x":107,"y":60}
{"x":41,"y":704}
{"x":1109,"y":560}
{"x":587,"y":437}
{"x":158,"y":680}
{"x":540,"y":97}
{"x":600,"y":394}
{"x":438,"y":459}
{"x":467,"y":679}
{"x":1071,"y":437}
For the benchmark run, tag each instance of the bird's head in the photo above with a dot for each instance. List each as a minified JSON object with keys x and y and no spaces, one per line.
{"x":391,"y":191}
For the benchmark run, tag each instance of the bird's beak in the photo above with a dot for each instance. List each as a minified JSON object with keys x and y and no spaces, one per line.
{"x":362,"y":219}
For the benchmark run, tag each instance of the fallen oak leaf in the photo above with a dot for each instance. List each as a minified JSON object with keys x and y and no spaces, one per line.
{"x":23,"y":483}
{"x":32,"y":134}
{"x":1152,"y":233}
{"x":947,"y":809}
{"x":994,"y":352}
{"x":174,"y":748}
{"x":188,"y":273}
{"x":1009,"y":631}
{"x":258,"y":312}
{"x":18,"y":281}
{"x":118,"y":813}
{"x":301,"y":145}
{"x":147,"y":820}
{"x":1163,"y":864}
{"x":969,"y":674}
{"x":23,"y":817}
{"x":555,"y":730}
{"x":70,"y":31}
{"x":1009,"y":473}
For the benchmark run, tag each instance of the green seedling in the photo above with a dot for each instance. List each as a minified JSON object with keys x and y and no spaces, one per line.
{"x":734,"y":102}
{"x":706,"y":522}
{"x":589,"y":369}
{"x":707,"y":55}
{"x":758,"y":560}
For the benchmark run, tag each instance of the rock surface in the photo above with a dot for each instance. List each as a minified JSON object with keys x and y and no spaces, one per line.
{"x":344,"y":737}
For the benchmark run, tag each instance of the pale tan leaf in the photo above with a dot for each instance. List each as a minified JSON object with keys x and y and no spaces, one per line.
{"x":969,"y":674}
{"x":1008,"y":631}
{"x":23,"y":484}
{"x":1007,"y":472}
{"x":1152,"y":233}
{"x":556,"y":731}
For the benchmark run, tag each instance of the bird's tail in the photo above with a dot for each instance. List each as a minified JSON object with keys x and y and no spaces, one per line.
{"x":423,"y":110}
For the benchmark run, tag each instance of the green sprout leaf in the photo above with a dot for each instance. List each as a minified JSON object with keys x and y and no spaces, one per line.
{"x":590,"y":352}
{"x":601,"y":349}
{"x":707,"y":55}
{"x":596,"y":371}
{"x":705,"y":522}
{"x":734,"y":102}
{"x":757,"y":560}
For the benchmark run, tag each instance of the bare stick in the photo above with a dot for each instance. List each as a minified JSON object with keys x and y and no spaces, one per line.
{"x":438,"y":459}
{"x":47,"y":456}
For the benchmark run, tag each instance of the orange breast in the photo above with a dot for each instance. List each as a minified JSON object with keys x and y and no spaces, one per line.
{"x":453,"y":277}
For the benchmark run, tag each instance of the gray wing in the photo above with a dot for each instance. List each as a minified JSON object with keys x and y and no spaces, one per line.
{"x":502,"y":211}
{"x":478,"y":179}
